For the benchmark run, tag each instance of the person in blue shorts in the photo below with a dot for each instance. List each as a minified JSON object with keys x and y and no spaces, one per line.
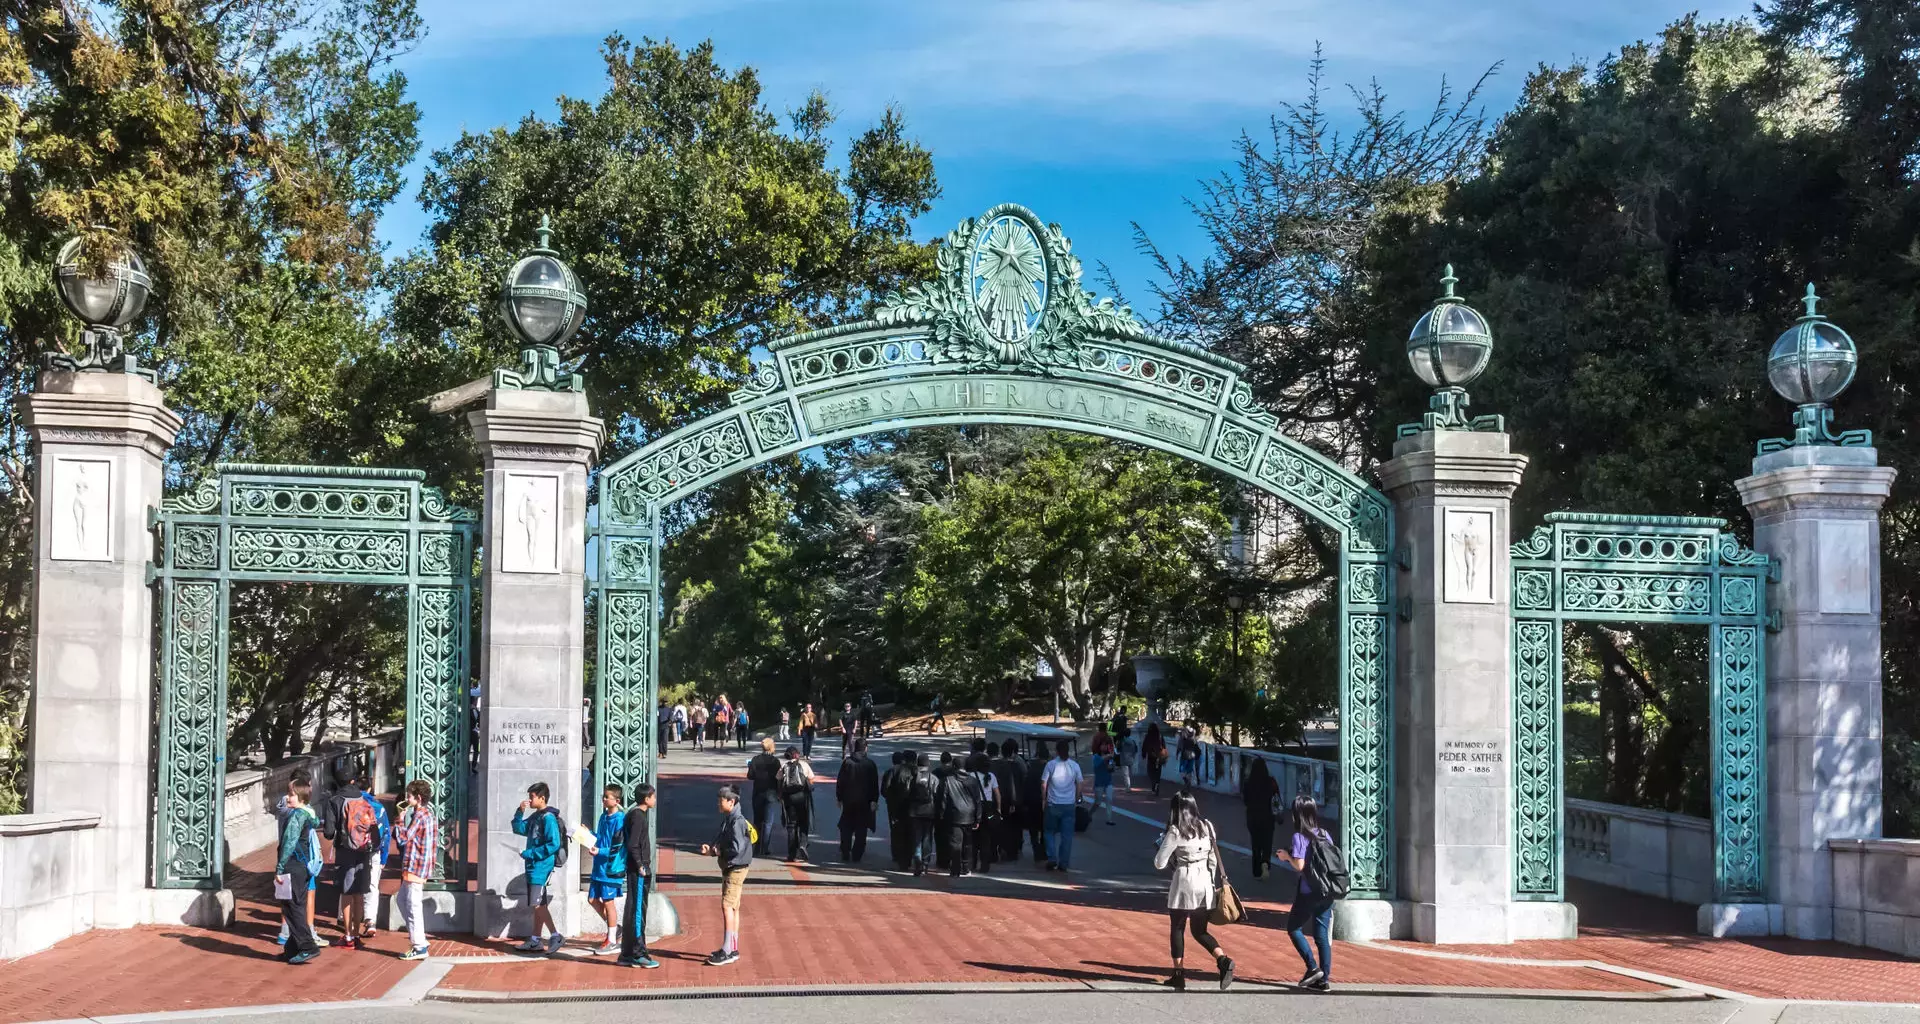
{"x":609,"y":878}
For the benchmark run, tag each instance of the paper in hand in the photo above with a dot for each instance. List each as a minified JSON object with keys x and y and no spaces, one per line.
{"x":583,"y":836}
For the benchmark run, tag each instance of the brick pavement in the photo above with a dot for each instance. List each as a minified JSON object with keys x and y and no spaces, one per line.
{"x":1025,"y":926}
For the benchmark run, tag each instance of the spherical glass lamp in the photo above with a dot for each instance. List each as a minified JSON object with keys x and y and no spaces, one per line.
{"x":541,"y":300}
{"x":1814,"y":360}
{"x":1450,"y":343}
{"x":106,"y":301}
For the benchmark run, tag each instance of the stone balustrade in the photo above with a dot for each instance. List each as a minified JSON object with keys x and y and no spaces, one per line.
{"x":1653,"y":852}
{"x":1876,"y":893}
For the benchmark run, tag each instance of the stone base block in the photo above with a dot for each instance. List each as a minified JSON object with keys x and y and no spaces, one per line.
{"x":197,"y":908}
{"x":1543,"y":921}
{"x":1460,"y":923}
{"x":447,"y":913}
{"x":1370,"y":920}
{"x":1740,"y":920}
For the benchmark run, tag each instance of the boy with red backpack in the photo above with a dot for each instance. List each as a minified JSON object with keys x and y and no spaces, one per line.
{"x":353,"y":827}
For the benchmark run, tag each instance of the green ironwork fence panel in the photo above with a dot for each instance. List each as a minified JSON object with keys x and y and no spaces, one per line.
{"x":1739,"y":766}
{"x":1538,"y":794}
{"x":304,"y":524}
{"x":981,"y":348}
{"x":1651,"y":569}
{"x":190,"y":790}
{"x":439,"y":727}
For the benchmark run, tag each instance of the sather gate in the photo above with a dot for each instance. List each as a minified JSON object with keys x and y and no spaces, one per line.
{"x":1003,"y":334}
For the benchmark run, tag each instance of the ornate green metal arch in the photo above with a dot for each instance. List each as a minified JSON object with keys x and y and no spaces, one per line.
{"x":1003,"y":334}
{"x":1612,"y":568}
{"x":304,"y":524}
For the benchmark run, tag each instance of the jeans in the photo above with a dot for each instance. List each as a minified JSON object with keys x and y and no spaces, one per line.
{"x":1103,"y":797}
{"x":633,"y":929}
{"x":1060,"y":834}
{"x":411,"y":901}
{"x":763,"y":807}
{"x":1315,"y":912}
{"x":924,"y":853}
{"x":806,"y":743}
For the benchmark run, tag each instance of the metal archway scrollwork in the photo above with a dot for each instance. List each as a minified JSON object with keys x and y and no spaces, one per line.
{"x":1003,"y":334}
{"x":1581,"y":567}
{"x":304,"y":524}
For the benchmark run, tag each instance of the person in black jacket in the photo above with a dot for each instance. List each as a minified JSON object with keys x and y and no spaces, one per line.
{"x":1033,"y":805}
{"x":764,"y":772}
{"x":857,"y":788}
{"x":922,"y":804}
{"x":1009,"y":771}
{"x":897,"y":788}
{"x":637,"y":837}
{"x":986,"y":839}
{"x":959,"y":816}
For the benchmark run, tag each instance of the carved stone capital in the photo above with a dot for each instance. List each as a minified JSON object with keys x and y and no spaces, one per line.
{"x":1452,"y":463}
{"x":1850,"y":491}
{"x":106,"y":409}
{"x":537,"y":426}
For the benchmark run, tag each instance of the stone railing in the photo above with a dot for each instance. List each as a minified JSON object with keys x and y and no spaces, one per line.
{"x":1652,"y":852}
{"x":46,"y":872}
{"x":1876,"y":893}
{"x":253,"y":792}
{"x":1222,"y":768}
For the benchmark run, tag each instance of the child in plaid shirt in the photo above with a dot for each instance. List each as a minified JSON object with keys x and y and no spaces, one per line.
{"x":419,"y":838}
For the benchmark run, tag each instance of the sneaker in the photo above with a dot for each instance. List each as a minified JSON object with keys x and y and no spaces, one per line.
{"x":606,"y":949}
{"x":320,"y":942}
{"x":643,"y":960}
{"x":1225,"y":964}
{"x":554,"y":942}
{"x":532,"y":945}
{"x":1311,"y":978}
{"x":1178,"y":982}
{"x":1321,"y":984}
{"x":303,"y":958}
{"x":348,"y":942}
{"x":723,"y":957}
{"x":416,"y":953}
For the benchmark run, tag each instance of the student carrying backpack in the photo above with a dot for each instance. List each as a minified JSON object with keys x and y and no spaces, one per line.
{"x":1322,"y":868}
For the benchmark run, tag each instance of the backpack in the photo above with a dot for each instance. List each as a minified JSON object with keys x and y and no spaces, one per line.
{"x":362,"y":829}
{"x":1326,"y":867}
{"x":559,"y":826}
{"x":792,"y":780}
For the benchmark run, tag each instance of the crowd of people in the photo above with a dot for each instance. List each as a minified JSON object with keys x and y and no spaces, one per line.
{"x":959,"y":814}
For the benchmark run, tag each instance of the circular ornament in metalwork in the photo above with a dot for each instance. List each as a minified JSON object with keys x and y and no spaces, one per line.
{"x":1814,"y":360}
{"x":1450,"y":343}
{"x":110,"y":301}
{"x":1008,"y":269}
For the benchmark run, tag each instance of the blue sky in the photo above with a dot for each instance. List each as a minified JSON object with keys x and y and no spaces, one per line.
{"x":1095,"y":113}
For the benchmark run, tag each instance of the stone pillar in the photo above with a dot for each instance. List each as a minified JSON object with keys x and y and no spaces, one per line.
{"x":1816,"y":512}
{"x":537,"y":447}
{"x":98,"y":440}
{"x":1453,"y":700}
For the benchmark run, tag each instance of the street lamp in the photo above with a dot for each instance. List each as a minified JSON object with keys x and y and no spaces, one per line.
{"x":1448,"y":349}
{"x":106,"y":302}
{"x":1235,"y":602}
{"x":1810,"y":364}
{"x":542,"y":304}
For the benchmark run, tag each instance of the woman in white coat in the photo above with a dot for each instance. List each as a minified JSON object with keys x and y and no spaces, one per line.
{"x":1189,"y":847}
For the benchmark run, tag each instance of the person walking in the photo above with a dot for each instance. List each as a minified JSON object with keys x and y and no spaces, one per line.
{"x":849,"y":725}
{"x":1155,"y":749}
{"x":419,"y":842}
{"x":1189,"y":757}
{"x":986,"y":839}
{"x":666,"y":728}
{"x":1061,"y":781}
{"x":1261,"y":794}
{"x":937,"y":716}
{"x":786,"y":720}
{"x":1311,"y":909}
{"x":742,"y":728}
{"x":764,"y":772}
{"x":1033,"y":799}
{"x":1103,"y":782}
{"x":376,"y":864}
{"x":796,"y":803}
{"x":679,"y":722}
{"x":732,"y":849}
{"x":1009,"y":769}
{"x":809,"y":726}
{"x":348,"y":821}
{"x":923,"y":803}
{"x":545,"y":850}
{"x":636,"y":838}
{"x":608,"y":880}
{"x":699,"y":726}
{"x":296,"y":867}
{"x":896,"y":787}
{"x":958,"y":812}
{"x":1191,"y":849}
{"x":1126,"y":749}
{"x":722,"y":722}
{"x":857,"y":789}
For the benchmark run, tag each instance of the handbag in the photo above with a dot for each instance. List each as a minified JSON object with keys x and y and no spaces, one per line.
{"x":1227,"y":908}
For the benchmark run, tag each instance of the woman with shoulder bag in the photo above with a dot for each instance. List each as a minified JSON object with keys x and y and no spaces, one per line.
{"x":1190,"y":848}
